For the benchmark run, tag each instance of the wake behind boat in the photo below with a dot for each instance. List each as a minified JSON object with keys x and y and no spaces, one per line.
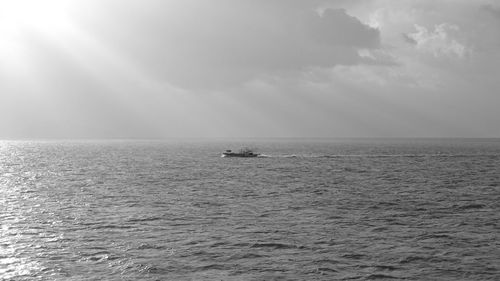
{"x":244,"y":152}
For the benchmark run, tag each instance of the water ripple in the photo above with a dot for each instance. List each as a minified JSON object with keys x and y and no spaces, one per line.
{"x":328,"y":211}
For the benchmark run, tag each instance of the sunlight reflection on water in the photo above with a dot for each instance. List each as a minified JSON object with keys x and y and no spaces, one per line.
{"x":142,"y":211}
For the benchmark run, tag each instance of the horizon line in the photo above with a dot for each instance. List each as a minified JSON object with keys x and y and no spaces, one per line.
{"x":246,"y":138}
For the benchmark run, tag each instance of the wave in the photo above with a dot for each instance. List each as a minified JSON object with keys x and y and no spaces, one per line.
{"x":214,"y":266}
{"x":380,"y":276}
{"x":240,"y":256}
{"x":275,"y":246}
{"x":326,"y":269}
{"x":471,"y":206}
{"x":146,"y":219}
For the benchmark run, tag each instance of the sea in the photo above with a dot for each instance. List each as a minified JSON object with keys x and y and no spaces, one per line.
{"x":306,"y":209}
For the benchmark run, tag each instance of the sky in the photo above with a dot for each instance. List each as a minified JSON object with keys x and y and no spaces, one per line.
{"x":249,"y":68}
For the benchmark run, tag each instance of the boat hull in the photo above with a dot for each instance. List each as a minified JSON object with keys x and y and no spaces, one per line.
{"x":244,"y":155}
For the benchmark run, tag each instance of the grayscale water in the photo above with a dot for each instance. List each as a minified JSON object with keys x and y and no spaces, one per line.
{"x":309,"y":210}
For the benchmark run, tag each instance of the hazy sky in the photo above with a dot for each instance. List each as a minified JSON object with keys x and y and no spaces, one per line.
{"x":249,"y":68}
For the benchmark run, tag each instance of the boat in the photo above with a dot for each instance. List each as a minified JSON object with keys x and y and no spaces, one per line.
{"x":244,"y":152}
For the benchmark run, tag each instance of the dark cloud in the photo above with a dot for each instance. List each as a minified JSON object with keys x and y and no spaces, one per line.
{"x":408,"y":39}
{"x":336,"y":27}
{"x":492,"y":10}
{"x":199,"y":45}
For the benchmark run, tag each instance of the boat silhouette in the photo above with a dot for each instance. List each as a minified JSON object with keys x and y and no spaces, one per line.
{"x":244,"y":152}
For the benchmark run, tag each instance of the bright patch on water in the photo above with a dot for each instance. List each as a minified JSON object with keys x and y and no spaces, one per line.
{"x":330,"y":210}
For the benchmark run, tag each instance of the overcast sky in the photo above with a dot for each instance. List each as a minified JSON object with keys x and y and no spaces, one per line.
{"x":249,"y":68}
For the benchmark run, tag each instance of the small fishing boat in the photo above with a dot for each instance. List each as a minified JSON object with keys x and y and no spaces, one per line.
{"x":244,"y":152}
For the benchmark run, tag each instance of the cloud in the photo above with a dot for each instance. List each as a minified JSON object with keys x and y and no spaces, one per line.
{"x":264,"y":67}
{"x":439,"y":42}
{"x":199,"y":45}
{"x":492,"y":10}
{"x":336,"y":27}
{"x":409,"y":39}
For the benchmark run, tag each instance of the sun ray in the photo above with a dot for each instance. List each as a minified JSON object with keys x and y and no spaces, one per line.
{"x":42,"y":16}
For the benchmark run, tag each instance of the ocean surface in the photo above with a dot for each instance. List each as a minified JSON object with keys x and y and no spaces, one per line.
{"x":342,"y":209}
